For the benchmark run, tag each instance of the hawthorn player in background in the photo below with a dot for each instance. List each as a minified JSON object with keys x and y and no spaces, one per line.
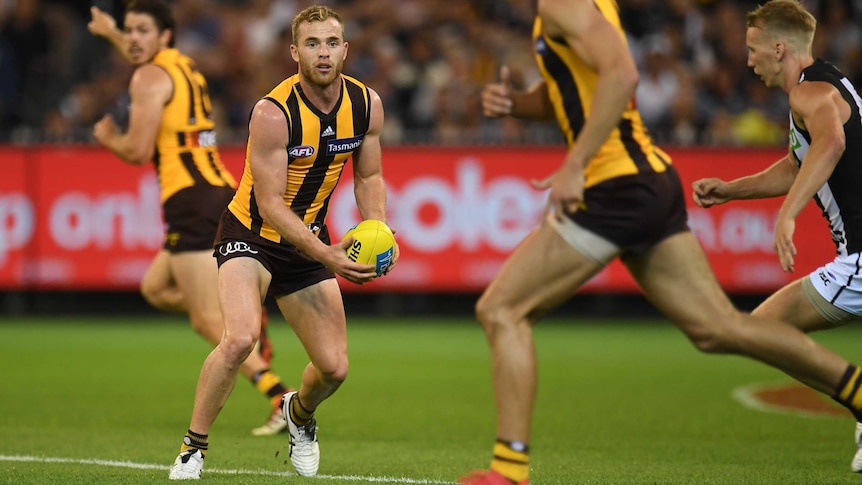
{"x":171,"y":124}
{"x":273,"y":237}
{"x":614,"y":195}
{"x":822,"y":164}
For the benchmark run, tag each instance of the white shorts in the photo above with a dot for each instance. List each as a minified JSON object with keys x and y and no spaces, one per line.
{"x":839,"y":283}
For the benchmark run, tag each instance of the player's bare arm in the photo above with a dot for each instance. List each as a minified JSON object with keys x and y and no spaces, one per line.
{"x":103,"y":25}
{"x":268,"y":136}
{"x":369,"y":187}
{"x":772,"y":182}
{"x":600,"y":45}
{"x":819,"y":108}
{"x":149,"y":90}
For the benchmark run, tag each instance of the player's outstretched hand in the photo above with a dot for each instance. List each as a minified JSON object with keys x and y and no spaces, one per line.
{"x":709,"y":192}
{"x":102,"y":24}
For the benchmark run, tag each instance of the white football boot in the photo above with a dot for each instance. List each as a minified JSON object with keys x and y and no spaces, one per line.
{"x":187,"y":466}
{"x":856,"y":464}
{"x":304,"y":450}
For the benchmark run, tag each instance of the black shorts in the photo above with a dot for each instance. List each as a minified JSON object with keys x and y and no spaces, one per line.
{"x":191,"y":217}
{"x":290,"y":268}
{"x":635,"y":212}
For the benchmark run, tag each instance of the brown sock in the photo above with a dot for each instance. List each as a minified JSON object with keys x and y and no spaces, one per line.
{"x":298,"y":414}
{"x":194,"y":441}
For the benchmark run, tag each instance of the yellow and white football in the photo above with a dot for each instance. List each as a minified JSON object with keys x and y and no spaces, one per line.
{"x":373,"y":243}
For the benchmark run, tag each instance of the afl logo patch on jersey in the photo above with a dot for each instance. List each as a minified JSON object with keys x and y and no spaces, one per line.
{"x":343,"y":145}
{"x":302,"y":151}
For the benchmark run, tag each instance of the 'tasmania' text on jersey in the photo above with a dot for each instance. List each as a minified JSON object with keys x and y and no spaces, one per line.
{"x":571,"y":85}
{"x":319,"y":146}
{"x":840,"y":197}
{"x":186,"y":152}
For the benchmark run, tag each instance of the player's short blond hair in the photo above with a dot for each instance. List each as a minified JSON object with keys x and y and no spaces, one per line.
{"x":785,"y":20}
{"x":315,"y":13}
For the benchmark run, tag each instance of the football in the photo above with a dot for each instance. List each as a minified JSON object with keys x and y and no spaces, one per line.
{"x":373,"y":243}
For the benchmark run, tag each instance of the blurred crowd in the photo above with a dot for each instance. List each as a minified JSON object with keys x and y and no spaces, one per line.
{"x":426,"y":58}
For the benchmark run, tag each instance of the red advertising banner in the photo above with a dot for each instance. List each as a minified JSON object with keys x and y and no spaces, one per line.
{"x":78,"y":218}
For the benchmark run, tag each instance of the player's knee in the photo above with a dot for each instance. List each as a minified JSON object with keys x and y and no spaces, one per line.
{"x":334,"y":371}
{"x":715,"y":337}
{"x":151,"y":294}
{"x":491,"y":316}
{"x":237,"y":346}
{"x":707,"y":342}
{"x":165,"y":298}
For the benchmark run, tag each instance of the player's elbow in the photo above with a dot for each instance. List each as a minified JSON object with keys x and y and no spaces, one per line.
{"x":629,"y":78}
{"x":139,"y":155}
{"x":268,"y":206}
{"x":836,"y":146}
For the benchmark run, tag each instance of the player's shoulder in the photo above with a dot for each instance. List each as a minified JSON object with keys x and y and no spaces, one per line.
{"x":267,"y":109}
{"x":151,"y":69}
{"x":150,"y":78}
{"x":810,"y":93}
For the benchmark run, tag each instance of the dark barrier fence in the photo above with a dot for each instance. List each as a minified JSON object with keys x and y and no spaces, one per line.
{"x":382,"y":304}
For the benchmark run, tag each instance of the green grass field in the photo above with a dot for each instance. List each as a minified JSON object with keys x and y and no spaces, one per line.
{"x":86,"y":401}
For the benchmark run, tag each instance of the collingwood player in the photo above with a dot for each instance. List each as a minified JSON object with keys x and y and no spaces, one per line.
{"x":824,"y":163}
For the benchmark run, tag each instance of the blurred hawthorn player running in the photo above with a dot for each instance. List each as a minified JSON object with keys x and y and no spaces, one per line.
{"x":170,"y":123}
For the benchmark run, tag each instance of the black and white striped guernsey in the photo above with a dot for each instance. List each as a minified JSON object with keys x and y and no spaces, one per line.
{"x":840,"y":198}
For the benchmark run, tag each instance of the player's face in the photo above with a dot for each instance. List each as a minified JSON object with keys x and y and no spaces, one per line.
{"x":761,"y":56}
{"x":143,"y":39}
{"x":320,"y":51}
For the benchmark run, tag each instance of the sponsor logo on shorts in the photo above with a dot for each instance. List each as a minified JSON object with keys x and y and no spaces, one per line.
{"x":301,"y":151}
{"x":343,"y":145}
{"x":235,"y":247}
{"x":824,"y":278}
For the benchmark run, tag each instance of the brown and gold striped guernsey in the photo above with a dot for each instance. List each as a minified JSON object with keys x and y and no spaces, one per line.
{"x":186,"y":152}
{"x":317,"y":150}
{"x":571,"y":85}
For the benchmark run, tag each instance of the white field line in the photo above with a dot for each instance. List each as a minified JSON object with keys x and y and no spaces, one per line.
{"x":220,"y":471}
{"x":746,"y":395}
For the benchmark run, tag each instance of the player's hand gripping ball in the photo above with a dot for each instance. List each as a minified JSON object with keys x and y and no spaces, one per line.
{"x":373,"y":243}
